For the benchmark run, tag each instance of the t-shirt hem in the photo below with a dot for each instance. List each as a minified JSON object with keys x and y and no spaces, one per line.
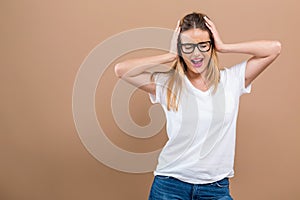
{"x":196,"y":181}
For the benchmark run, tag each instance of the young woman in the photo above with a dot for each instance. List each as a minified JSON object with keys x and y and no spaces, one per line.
{"x":200,"y":101}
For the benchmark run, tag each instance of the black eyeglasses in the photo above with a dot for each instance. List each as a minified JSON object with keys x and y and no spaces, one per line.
{"x":190,"y":47}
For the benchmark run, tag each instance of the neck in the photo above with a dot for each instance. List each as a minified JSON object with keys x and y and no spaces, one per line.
{"x":196,"y":76}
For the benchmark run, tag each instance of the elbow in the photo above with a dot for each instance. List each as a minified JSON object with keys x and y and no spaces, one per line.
{"x":118,"y":70}
{"x":277,"y":48}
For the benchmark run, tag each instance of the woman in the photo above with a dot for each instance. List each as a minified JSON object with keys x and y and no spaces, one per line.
{"x":200,"y":101}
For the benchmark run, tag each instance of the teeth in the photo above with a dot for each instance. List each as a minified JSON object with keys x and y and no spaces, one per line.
{"x":197,"y":60}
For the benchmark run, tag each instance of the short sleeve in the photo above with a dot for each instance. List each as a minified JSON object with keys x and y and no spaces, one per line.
{"x":160,"y":80}
{"x":239,"y":72}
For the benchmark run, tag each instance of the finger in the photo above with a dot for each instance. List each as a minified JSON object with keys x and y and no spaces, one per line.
{"x":178,"y":26}
{"x":207,"y":19}
{"x":209,"y":22}
{"x":211,"y":26}
{"x":208,"y":26}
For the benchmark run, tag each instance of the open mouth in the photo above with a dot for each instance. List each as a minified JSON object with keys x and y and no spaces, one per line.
{"x":197,"y":62}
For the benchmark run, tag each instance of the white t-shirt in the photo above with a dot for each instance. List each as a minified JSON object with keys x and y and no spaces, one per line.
{"x":201,"y":134}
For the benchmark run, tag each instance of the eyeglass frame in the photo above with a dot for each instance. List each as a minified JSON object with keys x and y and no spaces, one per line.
{"x":194,"y":46}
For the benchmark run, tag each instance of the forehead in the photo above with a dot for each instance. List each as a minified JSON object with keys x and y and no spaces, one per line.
{"x":194,"y":36}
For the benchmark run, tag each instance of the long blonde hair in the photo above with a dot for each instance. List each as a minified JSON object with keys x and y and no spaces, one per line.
{"x":179,"y":67}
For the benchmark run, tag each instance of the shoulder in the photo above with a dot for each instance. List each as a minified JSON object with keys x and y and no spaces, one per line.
{"x":233,"y":77}
{"x":235,"y":70}
{"x":161,"y":77}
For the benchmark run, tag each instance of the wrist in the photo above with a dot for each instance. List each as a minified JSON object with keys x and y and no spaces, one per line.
{"x":223,"y":48}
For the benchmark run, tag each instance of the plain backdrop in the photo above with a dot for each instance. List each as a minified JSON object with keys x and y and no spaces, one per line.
{"x":43,"y":44}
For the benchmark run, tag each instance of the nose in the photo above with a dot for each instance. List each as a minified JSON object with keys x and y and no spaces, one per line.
{"x":197,"y":52}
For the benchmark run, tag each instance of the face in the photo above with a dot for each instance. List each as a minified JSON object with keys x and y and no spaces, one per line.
{"x":196,"y":60}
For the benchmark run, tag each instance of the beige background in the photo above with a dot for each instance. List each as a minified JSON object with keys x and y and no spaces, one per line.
{"x":43,"y":44}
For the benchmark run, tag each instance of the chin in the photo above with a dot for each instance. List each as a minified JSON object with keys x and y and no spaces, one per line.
{"x":195,"y":69}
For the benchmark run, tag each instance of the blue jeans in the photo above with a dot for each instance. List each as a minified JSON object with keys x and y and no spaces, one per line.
{"x":170,"y":188}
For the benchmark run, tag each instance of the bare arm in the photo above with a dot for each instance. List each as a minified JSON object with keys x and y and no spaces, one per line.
{"x":135,"y":72}
{"x":263,"y":52}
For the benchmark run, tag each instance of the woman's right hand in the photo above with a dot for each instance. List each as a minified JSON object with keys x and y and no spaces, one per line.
{"x":173,"y":46}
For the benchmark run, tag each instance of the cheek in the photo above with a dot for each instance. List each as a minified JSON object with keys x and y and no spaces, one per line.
{"x":187,"y":60}
{"x":208,"y":54}
{"x":186,"y":57}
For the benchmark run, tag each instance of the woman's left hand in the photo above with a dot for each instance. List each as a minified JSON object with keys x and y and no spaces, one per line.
{"x":217,"y":39}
